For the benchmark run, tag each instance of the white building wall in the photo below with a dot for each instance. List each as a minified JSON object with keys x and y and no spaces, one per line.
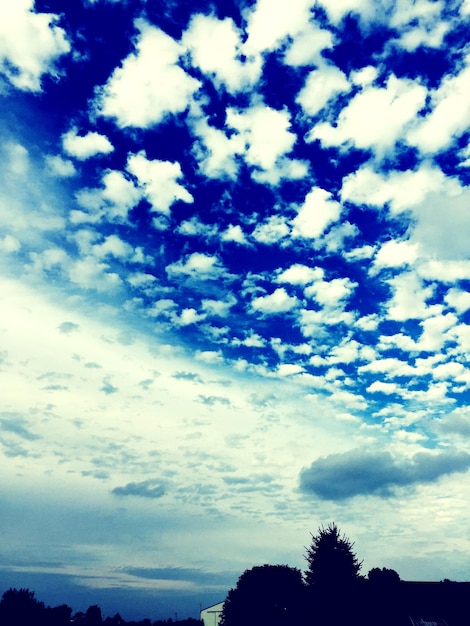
{"x":212,"y":614}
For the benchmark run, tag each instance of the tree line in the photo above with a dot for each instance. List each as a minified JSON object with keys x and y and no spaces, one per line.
{"x":332,"y":591}
{"x":20,"y":607}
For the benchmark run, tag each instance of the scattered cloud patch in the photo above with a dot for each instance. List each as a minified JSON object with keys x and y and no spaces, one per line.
{"x":145,"y":489}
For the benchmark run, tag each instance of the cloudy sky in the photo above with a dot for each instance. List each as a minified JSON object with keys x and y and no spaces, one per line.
{"x":234,"y":296}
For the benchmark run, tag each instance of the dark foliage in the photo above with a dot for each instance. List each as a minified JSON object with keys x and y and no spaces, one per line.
{"x":331,"y":560}
{"x":267,"y":594}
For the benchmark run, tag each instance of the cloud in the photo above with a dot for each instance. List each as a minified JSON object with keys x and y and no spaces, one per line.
{"x":89,"y":273}
{"x":16,"y":425}
{"x":83,"y":147}
{"x":111,"y":203}
{"x":265,"y":132}
{"x":68,"y":327}
{"x":331,"y":294}
{"x":396,"y":254}
{"x":197,"y":265}
{"x":157,"y":179}
{"x":376,"y":117}
{"x":271,"y":231}
{"x":315,"y":215}
{"x":145,"y":489}
{"x":272,"y":21}
{"x":216,"y":49}
{"x":131,"y":98}
{"x":410,"y":298}
{"x":450,"y":115}
{"x":277,"y":302}
{"x":364,"y":472}
{"x":321,"y":86}
{"x":401,"y":190}
{"x":458,"y":299}
{"x":215,"y":152}
{"x":57,"y":166}
{"x":337,"y":9}
{"x":306,"y":47}
{"x":299,"y":274}
{"x":30,"y":44}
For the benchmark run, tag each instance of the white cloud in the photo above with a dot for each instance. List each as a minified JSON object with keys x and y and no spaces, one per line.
{"x":336,"y":9}
{"x":401,"y":190}
{"x":134,"y":100}
{"x":312,"y":323}
{"x":188,"y":317}
{"x":435,"y":330}
{"x":271,"y":231}
{"x":306,"y":47}
{"x":390,"y":366}
{"x":215,"y":152}
{"x":58,"y":166}
{"x":284,"y":169}
{"x":298,"y":274}
{"x":194,"y":227}
{"x":409,"y":298}
{"x":219,"y":308}
{"x":332,"y":293}
{"x":271,"y":21}
{"x":85,"y":146}
{"x":441,"y":223}
{"x":316,"y":214}
{"x":444,"y":271}
{"x":446,"y":371}
{"x":9,"y":244}
{"x":157,"y":180}
{"x":113,"y":202}
{"x":381,"y":387}
{"x":113,"y":246}
{"x":420,"y":23}
{"x":375,"y":117}
{"x":30,"y":44}
{"x":89,"y":273}
{"x":396,"y":254}
{"x":458,"y":299}
{"x":234,"y":233}
{"x":320,"y":86}
{"x":216,"y":48}
{"x":277,"y":302}
{"x":197,"y":265}
{"x":450,"y":115}
{"x":289,"y":369}
{"x":265,"y":131}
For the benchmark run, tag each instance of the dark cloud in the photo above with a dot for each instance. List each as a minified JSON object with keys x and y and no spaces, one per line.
{"x":211,"y":400}
{"x":358,"y":472}
{"x":144,"y":489}
{"x":455,"y":423}
{"x":68,"y":327}
{"x":187,"y":376}
{"x":18,"y":427}
{"x":108,"y":388}
{"x":182,"y":573}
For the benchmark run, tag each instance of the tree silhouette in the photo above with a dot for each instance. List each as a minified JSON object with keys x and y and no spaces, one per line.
{"x":19,"y":606}
{"x":268,"y":594}
{"x":331,"y":560}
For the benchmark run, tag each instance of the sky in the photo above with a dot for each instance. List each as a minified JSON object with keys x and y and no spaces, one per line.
{"x":234,"y":299}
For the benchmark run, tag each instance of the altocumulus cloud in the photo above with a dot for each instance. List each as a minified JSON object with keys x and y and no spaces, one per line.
{"x":144,"y":489}
{"x":358,"y":472}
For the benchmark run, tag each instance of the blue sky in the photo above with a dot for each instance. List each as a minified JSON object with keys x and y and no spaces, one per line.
{"x":235,"y":292}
